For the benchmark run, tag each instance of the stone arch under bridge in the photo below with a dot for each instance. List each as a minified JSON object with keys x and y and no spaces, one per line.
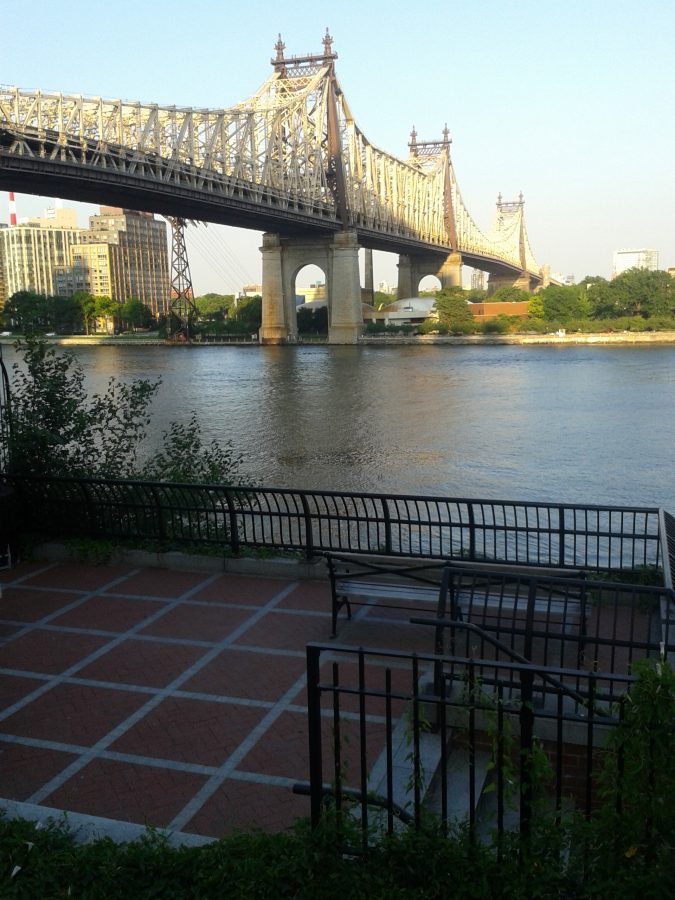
{"x":338,"y":257}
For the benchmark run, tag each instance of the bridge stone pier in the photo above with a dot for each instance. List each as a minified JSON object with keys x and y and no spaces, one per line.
{"x":524,"y":282}
{"x":414,"y":267}
{"x":282,"y":259}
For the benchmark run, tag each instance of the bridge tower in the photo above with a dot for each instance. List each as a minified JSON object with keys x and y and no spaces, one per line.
{"x":182,"y":310}
{"x":413,"y":267}
{"x":511,"y":213}
{"x":336,"y":254}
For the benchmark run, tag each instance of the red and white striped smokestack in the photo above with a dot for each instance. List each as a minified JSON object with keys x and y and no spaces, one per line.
{"x":12,"y":209}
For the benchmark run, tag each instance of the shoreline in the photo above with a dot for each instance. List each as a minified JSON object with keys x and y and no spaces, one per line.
{"x":628,"y":337}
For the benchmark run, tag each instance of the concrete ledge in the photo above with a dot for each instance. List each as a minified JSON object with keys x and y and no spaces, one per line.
{"x":274,"y":567}
{"x":87,"y":829}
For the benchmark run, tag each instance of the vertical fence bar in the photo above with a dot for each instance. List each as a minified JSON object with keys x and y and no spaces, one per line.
{"x":363,"y":758}
{"x":472,"y":532}
{"x":472,"y":752}
{"x":387,"y":527}
{"x":309,"y":537}
{"x":416,"y":741}
{"x":443,"y":733}
{"x":232,"y":514}
{"x":314,"y":733}
{"x":500,"y":768}
{"x":337,"y":742}
{"x":588,"y":799}
{"x":390,"y":752}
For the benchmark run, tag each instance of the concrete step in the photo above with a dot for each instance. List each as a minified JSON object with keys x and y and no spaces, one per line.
{"x":458,"y":785}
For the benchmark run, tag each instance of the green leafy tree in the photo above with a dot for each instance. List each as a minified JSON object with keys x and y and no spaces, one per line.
{"x":87,"y":305}
{"x":248,"y":314}
{"x":564,"y":303}
{"x":28,"y":312}
{"x":54,"y":428}
{"x":536,"y":308}
{"x":214,"y":307}
{"x":644,"y":293}
{"x":453,"y":311}
{"x":66,"y":314}
{"x":107,"y":309}
{"x":509,"y":294}
{"x":135,"y":313}
{"x":313,"y":321}
{"x":184,"y":457}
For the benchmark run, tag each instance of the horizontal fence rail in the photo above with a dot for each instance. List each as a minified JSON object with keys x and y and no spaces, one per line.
{"x":388,"y":740}
{"x":596,"y":538}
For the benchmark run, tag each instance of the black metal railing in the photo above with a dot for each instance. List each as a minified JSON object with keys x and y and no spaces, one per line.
{"x":574,"y":623}
{"x":387,"y":741}
{"x":593,"y":538}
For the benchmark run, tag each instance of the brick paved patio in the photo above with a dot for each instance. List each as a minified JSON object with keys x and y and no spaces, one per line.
{"x":167,"y":698}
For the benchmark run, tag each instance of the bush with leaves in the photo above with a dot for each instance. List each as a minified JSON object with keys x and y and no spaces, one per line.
{"x":53,"y":427}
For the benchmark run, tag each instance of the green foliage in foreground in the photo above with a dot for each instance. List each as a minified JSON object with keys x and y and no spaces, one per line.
{"x":576,"y":862}
{"x":53,"y":427}
{"x":623,"y":851}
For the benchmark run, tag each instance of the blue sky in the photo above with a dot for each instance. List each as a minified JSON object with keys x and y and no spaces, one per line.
{"x":572,"y":102}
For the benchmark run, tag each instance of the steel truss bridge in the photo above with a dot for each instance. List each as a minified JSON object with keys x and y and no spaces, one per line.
{"x":290,"y":160}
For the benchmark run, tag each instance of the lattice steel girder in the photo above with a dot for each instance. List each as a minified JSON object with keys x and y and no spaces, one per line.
{"x":272,"y":153}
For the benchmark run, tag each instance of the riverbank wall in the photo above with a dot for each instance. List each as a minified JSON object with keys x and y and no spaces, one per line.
{"x":389,"y":340}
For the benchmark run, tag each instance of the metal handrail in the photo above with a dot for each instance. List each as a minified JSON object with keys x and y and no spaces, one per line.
{"x":561,"y":536}
{"x":499,"y":645}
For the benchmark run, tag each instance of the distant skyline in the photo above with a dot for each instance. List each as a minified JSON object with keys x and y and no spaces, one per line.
{"x":570,"y":103}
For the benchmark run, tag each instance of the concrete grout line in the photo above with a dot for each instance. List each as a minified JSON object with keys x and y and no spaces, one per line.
{"x":147,"y":707}
{"x":215,"y":781}
{"x":94,"y":655}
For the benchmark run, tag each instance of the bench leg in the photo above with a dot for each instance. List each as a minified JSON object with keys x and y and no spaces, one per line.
{"x":338,"y":603}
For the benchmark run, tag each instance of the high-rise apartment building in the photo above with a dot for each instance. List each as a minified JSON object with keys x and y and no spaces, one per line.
{"x":32,"y":252}
{"x":634,"y":259}
{"x":123,"y":254}
{"x":137,"y":261}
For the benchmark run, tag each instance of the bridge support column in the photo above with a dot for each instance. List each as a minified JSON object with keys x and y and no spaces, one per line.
{"x":338,"y":257}
{"x":412,"y":268}
{"x":345,"y":313}
{"x":523,"y":282}
{"x":273,"y":329}
{"x":369,"y":286}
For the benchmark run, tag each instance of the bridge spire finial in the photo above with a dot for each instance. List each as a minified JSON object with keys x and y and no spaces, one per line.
{"x":280,"y":47}
{"x":446,"y":135}
{"x":327,"y":44}
{"x":521,"y":199}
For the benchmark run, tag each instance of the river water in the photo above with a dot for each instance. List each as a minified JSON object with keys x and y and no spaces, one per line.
{"x":573,"y":424}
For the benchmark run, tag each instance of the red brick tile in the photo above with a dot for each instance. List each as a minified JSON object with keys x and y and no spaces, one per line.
{"x":248,"y":805}
{"x":76,"y":576}
{"x":197,"y":622}
{"x":145,"y":663}
{"x":242,"y":673}
{"x":192,"y":731}
{"x":159,"y":583}
{"x":286,"y":632}
{"x":312,"y":595}
{"x":24,"y":769}
{"x":20,"y":570}
{"x":50,"y":652}
{"x":115,"y":614}
{"x":7,"y":631}
{"x":73,"y":714}
{"x":142,"y":794}
{"x":283,"y":749}
{"x":243,"y":589}
{"x":13,"y":688}
{"x":24,"y":605}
